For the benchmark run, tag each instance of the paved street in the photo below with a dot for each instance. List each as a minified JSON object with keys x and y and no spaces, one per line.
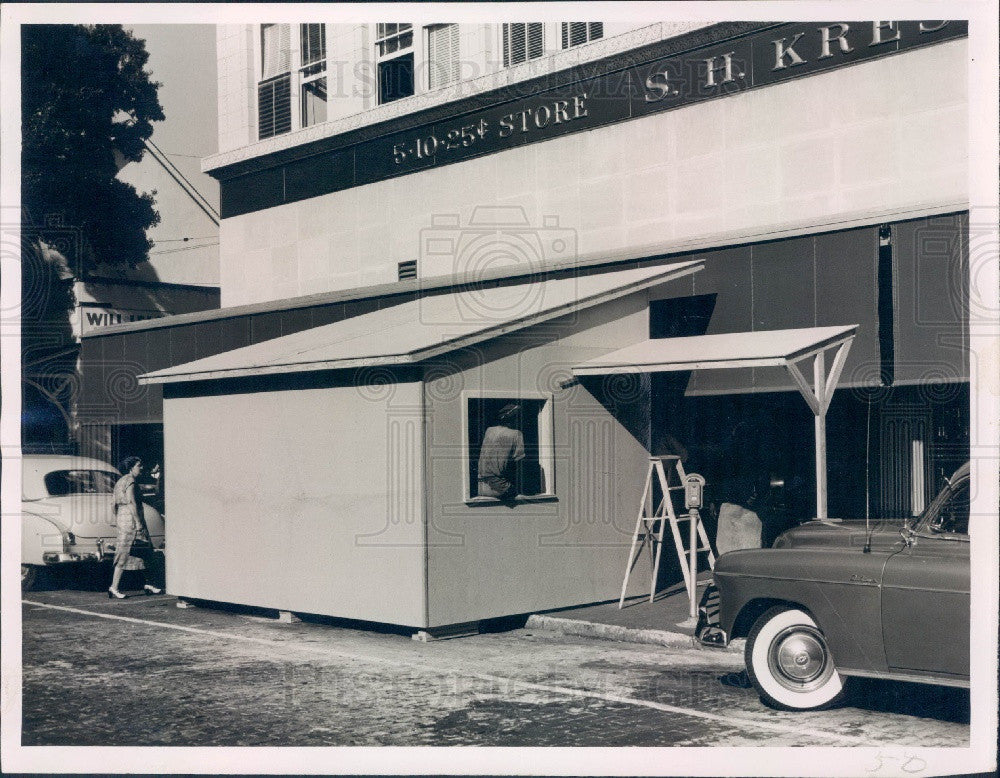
{"x":143,"y":672}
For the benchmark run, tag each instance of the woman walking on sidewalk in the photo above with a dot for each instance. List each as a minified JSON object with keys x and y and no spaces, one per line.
{"x":128,"y":517}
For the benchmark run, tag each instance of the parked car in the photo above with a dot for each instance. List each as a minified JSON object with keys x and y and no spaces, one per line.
{"x":831,"y":600}
{"x":67,"y":508}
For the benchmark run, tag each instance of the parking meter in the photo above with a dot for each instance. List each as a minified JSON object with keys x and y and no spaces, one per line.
{"x":694,"y":488}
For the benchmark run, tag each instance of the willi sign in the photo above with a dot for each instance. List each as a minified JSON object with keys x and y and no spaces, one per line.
{"x":91,"y":320}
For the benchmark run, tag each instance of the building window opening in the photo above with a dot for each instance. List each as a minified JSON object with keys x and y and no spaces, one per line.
{"x":508,"y":447}
{"x":312,"y":74}
{"x":442,"y":55}
{"x":314,"y":101}
{"x":393,"y":38}
{"x":394,"y":46}
{"x":577,"y":33}
{"x":522,"y":42}
{"x":274,"y":92}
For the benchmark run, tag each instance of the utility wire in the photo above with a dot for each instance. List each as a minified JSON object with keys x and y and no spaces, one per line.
{"x":179,"y":173}
{"x":184,"y":248}
{"x":197,"y":197}
{"x":181,"y":179}
{"x":184,"y":240}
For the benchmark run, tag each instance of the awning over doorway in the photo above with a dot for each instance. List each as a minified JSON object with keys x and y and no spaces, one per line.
{"x":767,"y":348}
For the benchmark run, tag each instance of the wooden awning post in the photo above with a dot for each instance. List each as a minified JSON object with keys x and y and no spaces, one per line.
{"x":819,"y":379}
{"x":818,"y":398}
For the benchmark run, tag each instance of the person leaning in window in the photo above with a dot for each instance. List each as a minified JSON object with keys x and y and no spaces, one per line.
{"x":128,"y":517}
{"x":502,"y":450}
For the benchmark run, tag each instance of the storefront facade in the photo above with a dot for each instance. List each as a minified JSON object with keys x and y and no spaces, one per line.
{"x":726,"y":134}
{"x":818,"y":171}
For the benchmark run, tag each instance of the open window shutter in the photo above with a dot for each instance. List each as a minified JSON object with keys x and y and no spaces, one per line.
{"x":522,"y":42}
{"x":534,"y":40}
{"x":513,"y":45}
{"x":276,"y":49}
{"x":443,"y":51}
{"x":576,"y":33}
{"x":313,"y":43}
{"x":274,"y":93}
{"x":274,"y":106}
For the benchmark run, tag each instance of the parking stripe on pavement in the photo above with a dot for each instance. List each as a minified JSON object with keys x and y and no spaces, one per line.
{"x":561,"y":690}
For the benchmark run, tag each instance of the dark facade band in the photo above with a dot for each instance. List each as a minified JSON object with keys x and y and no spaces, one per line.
{"x":723,"y":68}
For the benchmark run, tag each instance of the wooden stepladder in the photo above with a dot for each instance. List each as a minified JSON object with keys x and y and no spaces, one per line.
{"x":651,"y":524}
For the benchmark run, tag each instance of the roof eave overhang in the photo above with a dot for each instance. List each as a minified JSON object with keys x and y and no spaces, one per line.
{"x":678,"y":271}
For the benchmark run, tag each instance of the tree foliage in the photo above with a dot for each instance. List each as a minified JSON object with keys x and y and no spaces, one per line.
{"x":87,"y":107}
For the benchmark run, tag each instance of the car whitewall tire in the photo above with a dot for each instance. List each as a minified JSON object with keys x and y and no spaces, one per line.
{"x":789,"y":662}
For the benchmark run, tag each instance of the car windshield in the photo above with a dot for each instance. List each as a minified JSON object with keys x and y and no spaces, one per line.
{"x":59,"y":483}
{"x":949,"y":512}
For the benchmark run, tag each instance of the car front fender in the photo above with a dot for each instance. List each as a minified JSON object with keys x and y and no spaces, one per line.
{"x":839,"y":588}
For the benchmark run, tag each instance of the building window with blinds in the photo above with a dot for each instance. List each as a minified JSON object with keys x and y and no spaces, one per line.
{"x":575,"y":33}
{"x":274,"y":91}
{"x":394,"y":53}
{"x":522,"y":42}
{"x":312,"y":73}
{"x":442,"y":55}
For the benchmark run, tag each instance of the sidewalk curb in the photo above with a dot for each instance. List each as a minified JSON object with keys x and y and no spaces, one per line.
{"x":655,"y":637}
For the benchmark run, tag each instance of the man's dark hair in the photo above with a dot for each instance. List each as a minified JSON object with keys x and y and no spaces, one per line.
{"x":128,"y":463}
{"x":508,"y":412}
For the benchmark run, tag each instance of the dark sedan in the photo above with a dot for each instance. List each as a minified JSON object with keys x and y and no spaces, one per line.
{"x":832,"y":600}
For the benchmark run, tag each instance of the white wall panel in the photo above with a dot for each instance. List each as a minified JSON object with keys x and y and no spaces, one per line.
{"x":306,"y":500}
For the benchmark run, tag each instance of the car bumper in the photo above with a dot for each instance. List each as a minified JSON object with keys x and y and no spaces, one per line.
{"x":91,"y":550}
{"x":68,"y":557}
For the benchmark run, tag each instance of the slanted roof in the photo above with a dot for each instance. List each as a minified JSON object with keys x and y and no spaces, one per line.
{"x":767,"y":348}
{"x":424,"y":328}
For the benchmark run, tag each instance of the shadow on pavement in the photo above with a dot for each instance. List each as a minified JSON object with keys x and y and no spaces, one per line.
{"x":83,"y":577}
{"x":96,"y":577}
{"x":945,"y":703}
{"x":739,"y":680}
